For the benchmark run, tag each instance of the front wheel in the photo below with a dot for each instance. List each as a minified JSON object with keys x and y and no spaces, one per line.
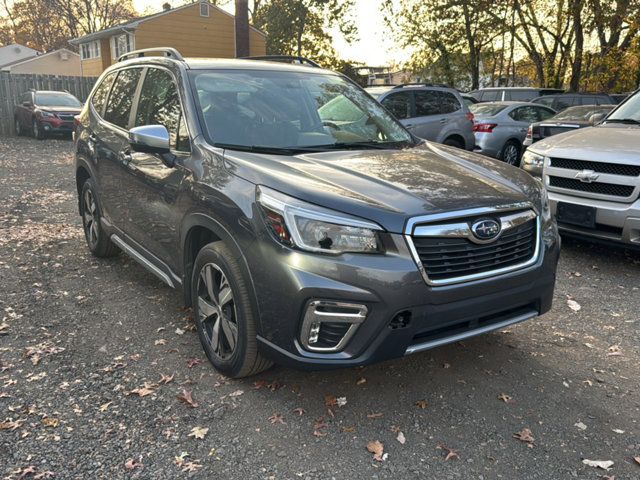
{"x":36,"y":129}
{"x":511,"y":153}
{"x":225,"y":318}
{"x":18,"y":127}
{"x":98,"y":241}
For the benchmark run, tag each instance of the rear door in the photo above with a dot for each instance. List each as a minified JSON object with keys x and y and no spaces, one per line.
{"x":400,"y":104}
{"x":154,"y":217}
{"x":111,"y":138}
{"x":523,"y":117}
{"x":429,"y":119}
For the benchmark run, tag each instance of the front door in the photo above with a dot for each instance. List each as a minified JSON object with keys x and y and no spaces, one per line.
{"x":156,"y":186}
{"x":429,"y":120}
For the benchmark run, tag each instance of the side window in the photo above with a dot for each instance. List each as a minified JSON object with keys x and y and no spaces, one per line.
{"x":602,"y":100}
{"x":525,"y":114}
{"x":543,"y":113}
{"x":121,"y":97}
{"x":546,"y":100}
{"x":399,"y":104}
{"x":448,"y":102}
{"x":563,"y":102}
{"x":160,"y":105}
{"x":26,"y":97}
{"x":521,"y":95}
{"x":491,"y":95}
{"x":100,"y":95}
{"x":427,"y":103}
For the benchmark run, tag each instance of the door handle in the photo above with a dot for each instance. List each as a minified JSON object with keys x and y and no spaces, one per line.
{"x":443,"y":120}
{"x":408,"y":125}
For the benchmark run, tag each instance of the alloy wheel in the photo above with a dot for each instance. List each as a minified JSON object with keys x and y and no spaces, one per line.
{"x":217,"y":311}
{"x":18,"y":127}
{"x":90,"y":218}
{"x":36,"y":129}
{"x":511,"y":154}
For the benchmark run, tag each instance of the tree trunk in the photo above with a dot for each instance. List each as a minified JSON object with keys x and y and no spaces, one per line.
{"x":576,"y":68}
{"x":242,"y":28}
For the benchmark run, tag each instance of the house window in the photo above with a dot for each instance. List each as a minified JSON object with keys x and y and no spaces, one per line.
{"x":204,"y":9}
{"x":121,"y":44}
{"x":90,"y":50}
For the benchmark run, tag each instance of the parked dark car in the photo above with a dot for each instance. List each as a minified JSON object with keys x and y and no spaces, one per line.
{"x":618,"y":98}
{"x":307,"y":240}
{"x":566,"y":100}
{"x":570,"y":119}
{"x":515,"y":94}
{"x":432,"y":112}
{"x":44,"y":112}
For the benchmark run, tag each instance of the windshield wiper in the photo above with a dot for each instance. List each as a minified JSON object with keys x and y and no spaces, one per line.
{"x":353,"y":146}
{"x":258,"y":149}
{"x":628,"y":121}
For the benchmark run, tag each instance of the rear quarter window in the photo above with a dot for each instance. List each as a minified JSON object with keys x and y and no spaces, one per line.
{"x":100,"y":95}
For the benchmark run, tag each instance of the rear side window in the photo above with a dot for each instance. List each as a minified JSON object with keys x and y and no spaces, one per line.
{"x":543,"y":113}
{"x":121,"y":97}
{"x":160,"y":105}
{"x":520,"y":95}
{"x":563,"y":102}
{"x":427,"y":103}
{"x":525,"y":114}
{"x":26,"y":97}
{"x":448,"y":102}
{"x":100,"y":95}
{"x":399,"y":104}
{"x":491,"y":95}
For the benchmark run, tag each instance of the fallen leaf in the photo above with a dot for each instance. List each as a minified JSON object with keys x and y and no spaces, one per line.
{"x":377,"y":449}
{"x":422,"y":404}
{"x":505,"y":398}
{"x":451,"y":453}
{"x":276,"y":418}
{"x":617,"y":430}
{"x":179,"y":331}
{"x":104,"y":406}
{"x":11,"y":425}
{"x":341,"y":401}
{"x":147,"y":389}
{"x":26,"y":471}
{"x":603,"y":464}
{"x":179,"y":460}
{"x":330,"y":401}
{"x":162,"y":341}
{"x":164,"y":379}
{"x":193,"y":362}
{"x":185,"y":397}
{"x":258,"y":384}
{"x":525,"y":435}
{"x":573,"y":305}
{"x":401,"y":438}
{"x":299,"y":411}
{"x":361,"y":380}
{"x":50,"y":422}
{"x":580,"y":425}
{"x":132,"y":464}
{"x":637,"y":459}
{"x":348,"y":429}
{"x":237,"y":393}
{"x":191,"y":467}
{"x":375,"y":415}
{"x":198,"y":432}
{"x":45,"y":474}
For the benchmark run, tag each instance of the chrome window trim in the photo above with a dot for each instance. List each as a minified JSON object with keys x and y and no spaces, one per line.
{"x":411,"y":227}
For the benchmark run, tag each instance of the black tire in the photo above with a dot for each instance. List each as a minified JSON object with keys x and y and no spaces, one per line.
{"x":97,"y":239}
{"x":36,"y":130}
{"x":17,"y":127}
{"x":222,"y":308}
{"x":453,"y":142}
{"x":510,"y":153}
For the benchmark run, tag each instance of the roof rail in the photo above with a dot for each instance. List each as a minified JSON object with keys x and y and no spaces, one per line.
{"x":421,"y":84}
{"x":285,"y":59}
{"x":166,"y":51}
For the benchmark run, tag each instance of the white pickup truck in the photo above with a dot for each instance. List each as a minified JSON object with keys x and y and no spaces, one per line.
{"x":592,"y":176}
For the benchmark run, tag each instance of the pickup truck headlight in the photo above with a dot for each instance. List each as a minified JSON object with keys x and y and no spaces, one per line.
{"x":316,"y":229}
{"x":533,"y":162}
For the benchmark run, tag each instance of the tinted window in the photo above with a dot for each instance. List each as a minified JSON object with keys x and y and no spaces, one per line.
{"x":448,"y":102}
{"x":121,"y":97}
{"x":547,"y":100}
{"x":399,"y":104}
{"x":55,"y":99}
{"x":521,"y":95}
{"x":100,"y":95}
{"x":160,"y":105}
{"x":602,"y":100}
{"x":563,"y":101}
{"x":427,"y":103}
{"x":491,"y":95}
{"x":525,"y":114}
{"x":543,"y":113}
{"x":486,"y":109}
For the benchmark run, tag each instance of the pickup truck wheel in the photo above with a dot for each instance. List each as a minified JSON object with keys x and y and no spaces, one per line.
{"x":224,"y":315}
{"x":18,"y":127}
{"x":511,"y":153}
{"x":36,"y":129}
{"x":98,"y":241}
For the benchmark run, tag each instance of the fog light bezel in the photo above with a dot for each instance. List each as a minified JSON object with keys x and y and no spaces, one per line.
{"x":336,"y":312}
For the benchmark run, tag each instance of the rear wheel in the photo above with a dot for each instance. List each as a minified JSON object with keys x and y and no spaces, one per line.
{"x":511,"y":153}
{"x":36,"y":130}
{"x":224,"y":315}
{"x":98,"y":241}
{"x":453,"y":142}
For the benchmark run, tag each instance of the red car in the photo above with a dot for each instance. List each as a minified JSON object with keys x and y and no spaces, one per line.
{"x":43,"y":112}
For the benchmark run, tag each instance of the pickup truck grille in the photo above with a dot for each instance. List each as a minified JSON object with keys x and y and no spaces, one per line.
{"x":449,"y":253}
{"x":599,"y":167}
{"x":601,"y":188}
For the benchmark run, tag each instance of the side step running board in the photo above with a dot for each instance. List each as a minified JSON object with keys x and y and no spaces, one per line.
{"x":133,"y":253}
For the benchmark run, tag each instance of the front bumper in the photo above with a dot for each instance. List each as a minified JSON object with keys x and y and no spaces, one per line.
{"x":615,"y":222}
{"x":55,"y":125}
{"x":390,"y":286}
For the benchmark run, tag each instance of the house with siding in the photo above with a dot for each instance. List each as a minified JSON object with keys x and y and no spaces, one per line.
{"x":198,"y":29}
{"x":14,"y":53}
{"x":57,"y":62}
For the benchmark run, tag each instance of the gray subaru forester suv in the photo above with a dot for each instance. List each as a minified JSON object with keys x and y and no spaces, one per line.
{"x":303,"y":223}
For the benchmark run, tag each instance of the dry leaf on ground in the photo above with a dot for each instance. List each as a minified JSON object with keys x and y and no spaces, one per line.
{"x":422,"y":404}
{"x":377,"y":449}
{"x":132,"y":464}
{"x":573,"y":305}
{"x":525,"y":435}
{"x":146,"y":389}
{"x":198,"y":432}
{"x":401,"y":438}
{"x":603,"y":464}
{"x":276,"y":418}
{"x":451,"y":453}
{"x":185,"y":397}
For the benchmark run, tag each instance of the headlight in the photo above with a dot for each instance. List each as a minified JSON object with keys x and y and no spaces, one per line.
{"x":532,"y":162}
{"x":47,"y":114}
{"x":316,"y":229}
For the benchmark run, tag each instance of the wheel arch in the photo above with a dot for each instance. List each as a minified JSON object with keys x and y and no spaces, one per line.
{"x":457,"y":137}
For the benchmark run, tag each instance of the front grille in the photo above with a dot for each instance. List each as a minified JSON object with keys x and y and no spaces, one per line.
{"x":600,"y":167}
{"x":66,"y":118}
{"x":446,"y":258}
{"x":601,"y":188}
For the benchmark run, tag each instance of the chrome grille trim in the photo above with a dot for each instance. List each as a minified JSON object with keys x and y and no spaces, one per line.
{"x":510,"y":220}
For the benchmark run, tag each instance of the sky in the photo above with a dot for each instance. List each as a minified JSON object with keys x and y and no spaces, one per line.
{"x":375,"y":46}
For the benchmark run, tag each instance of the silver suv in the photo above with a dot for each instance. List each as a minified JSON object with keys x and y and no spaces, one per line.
{"x":593,"y":176}
{"x":434,"y":113}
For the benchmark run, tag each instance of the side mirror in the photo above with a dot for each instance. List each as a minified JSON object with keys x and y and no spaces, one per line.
{"x":149,"y":139}
{"x":596,"y":118}
{"x":27,"y":103}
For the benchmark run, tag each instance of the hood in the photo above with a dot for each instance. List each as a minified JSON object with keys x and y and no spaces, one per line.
{"x":61,"y":109}
{"x":602,"y":143}
{"x":389,"y":186}
{"x":563,"y":123}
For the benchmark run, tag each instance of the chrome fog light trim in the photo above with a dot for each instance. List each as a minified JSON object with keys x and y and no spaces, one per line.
{"x":326,"y":311}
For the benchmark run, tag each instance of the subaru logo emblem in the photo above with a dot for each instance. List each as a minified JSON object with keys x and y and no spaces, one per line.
{"x":486,"y":229}
{"x":587,"y":176}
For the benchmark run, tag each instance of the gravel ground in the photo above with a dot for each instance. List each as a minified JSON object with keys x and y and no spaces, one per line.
{"x":94,"y":354}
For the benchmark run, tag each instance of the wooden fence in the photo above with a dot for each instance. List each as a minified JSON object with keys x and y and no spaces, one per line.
{"x":14,"y":85}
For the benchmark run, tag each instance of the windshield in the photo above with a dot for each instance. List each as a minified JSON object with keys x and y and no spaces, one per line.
{"x":289,"y":110}
{"x":582,"y":113}
{"x":487,"y":109}
{"x":630,"y":109}
{"x":57,"y":100}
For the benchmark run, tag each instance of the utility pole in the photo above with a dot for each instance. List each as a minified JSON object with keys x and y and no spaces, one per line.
{"x":242,"y":28}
